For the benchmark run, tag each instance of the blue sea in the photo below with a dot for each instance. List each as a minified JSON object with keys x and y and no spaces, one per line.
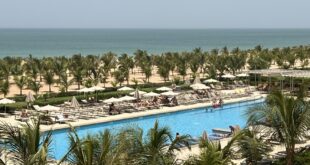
{"x":58,"y":42}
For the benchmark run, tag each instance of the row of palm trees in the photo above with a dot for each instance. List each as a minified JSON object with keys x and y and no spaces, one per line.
{"x":282,"y":118}
{"x":93,"y":69}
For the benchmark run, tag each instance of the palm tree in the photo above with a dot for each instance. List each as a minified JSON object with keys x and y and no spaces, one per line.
{"x":109,"y":61}
{"x":211,"y":152}
{"x":60,"y":66}
{"x":119,"y":76}
{"x":164,"y":66}
{"x":101,"y":149}
{"x":78,"y":76}
{"x":20,"y":81}
{"x":194,"y":61}
{"x":5,"y":87}
{"x":5,"y":69}
{"x":26,"y":145}
{"x":182,"y":64}
{"x":49,"y":79}
{"x":252,"y":147}
{"x":64,"y":81}
{"x":77,"y":68}
{"x":39,"y":64}
{"x":34,"y":86}
{"x":288,"y":119}
{"x":158,"y":148}
{"x":124,"y":62}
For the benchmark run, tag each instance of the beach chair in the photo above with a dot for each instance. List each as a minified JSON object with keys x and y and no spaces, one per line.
{"x":61,"y":119}
{"x":36,"y":107}
{"x":4,"y":115}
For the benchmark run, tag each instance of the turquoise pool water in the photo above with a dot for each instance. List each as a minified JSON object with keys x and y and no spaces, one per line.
{"x":192,"y":122}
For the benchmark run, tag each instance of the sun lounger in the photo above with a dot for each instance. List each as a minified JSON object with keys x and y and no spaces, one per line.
{"x":61,"y":119}
{"x":36,"y":107}
{"x":4,"y":115}
{"x":84,"y":101}
{"x":221,"y":131}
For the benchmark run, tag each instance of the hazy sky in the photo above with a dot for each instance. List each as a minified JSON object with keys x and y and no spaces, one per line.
{"x":154,"y":14}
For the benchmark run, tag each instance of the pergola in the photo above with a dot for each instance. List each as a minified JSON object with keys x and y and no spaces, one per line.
{"x":282,"y":73}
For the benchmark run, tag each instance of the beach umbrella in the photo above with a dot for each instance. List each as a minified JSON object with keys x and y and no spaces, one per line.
{"x":229,"y":76}
{"x":30,"y":98}
{"x":187,"y":82}
{"x":127,"y":98}
{"x":164,"y":89}
{"x":97,"y":88}
{"x":197,"y":80}
{"x":151,"y":94}
{"x":6,"y":101}
{"x":204,"y":135}
{"x":49,"y":108}
{"x":112,"y":100}
{"x":199,"y":86}
{"x":74,"y":103}
{"x":135,"y":92}
{"x":242,"y":75}
{"x":125,"y":89}
{"x":169,"y":93}
{"x":211,"y":80}
{"x":85,"y":90}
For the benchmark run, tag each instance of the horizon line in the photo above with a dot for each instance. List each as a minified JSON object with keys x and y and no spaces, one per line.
{"x":133,"y":28}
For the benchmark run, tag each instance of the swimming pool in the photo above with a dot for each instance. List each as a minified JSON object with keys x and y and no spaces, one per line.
{"x":192,"y":122}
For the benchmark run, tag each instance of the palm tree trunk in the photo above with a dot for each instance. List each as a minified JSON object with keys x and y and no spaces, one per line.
{"x":290,"y":155}
{"x":21,"y":91}
{"x":49,"y":88}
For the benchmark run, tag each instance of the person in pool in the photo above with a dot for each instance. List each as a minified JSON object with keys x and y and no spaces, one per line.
{"x":221,"y":102}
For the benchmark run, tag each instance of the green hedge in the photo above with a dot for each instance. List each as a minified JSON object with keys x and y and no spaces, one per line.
{"x":54,"y":99}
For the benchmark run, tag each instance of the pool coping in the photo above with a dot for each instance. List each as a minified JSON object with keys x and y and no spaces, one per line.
{"x":162,"y":110}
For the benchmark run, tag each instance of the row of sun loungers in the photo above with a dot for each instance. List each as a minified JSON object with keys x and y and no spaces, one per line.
{"x":94,"y":110}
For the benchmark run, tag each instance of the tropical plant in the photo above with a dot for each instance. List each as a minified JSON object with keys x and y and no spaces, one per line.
{"x":26,"y":145}
{"x":4,"y":87}
{"x":5,"y":69}
{"x":157,"y":148}
{"x":34,"y":86}
{"x":64,"y":81}
{"x":182,"y":64}
{"x":252,"y":147}
{"x":119,"y":77}
{"x":287,"y":118}
{"x":20,"y":82}
{"x":101,"y":149}
{"x":211,"y":152}
{"x":49,"y":79}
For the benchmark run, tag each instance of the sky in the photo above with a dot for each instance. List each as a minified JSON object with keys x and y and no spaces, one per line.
{"x":181,"y":14}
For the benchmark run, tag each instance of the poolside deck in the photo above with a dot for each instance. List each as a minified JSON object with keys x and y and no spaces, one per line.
{"x":81,"y":122}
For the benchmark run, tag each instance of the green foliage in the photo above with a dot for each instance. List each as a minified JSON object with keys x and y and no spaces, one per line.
{"x":252,"y":147}
{"x":20,"y":82}
{"x":288,"y":118}
{"x":4,"y":87}
{"x":176,"y":80}
{"x":26,"y":145}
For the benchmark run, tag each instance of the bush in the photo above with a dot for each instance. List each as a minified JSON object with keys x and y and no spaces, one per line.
{"x":60,"y":98}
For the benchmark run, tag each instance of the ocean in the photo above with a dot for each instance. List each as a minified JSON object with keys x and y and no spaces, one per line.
{"x":58,"y":42}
